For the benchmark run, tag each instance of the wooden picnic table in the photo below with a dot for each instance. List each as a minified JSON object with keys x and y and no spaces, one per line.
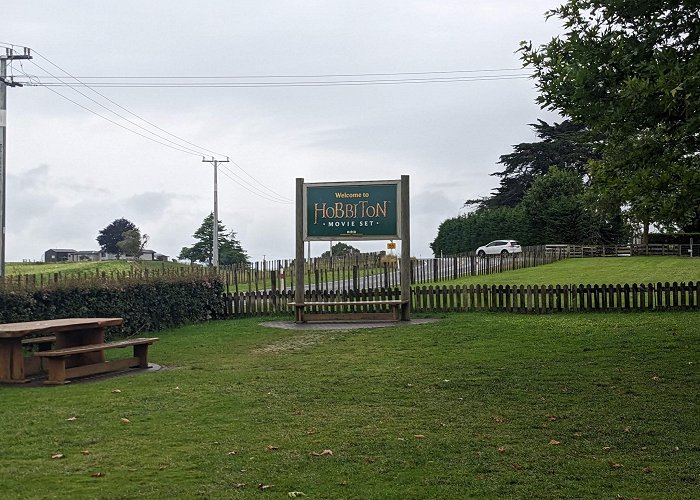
{"x":68,"y":332}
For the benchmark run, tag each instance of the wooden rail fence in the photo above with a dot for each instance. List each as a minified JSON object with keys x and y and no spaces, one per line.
{"x":532,"y":299}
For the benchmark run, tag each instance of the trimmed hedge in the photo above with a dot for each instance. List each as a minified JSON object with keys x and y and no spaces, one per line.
{"x":145,"y":305}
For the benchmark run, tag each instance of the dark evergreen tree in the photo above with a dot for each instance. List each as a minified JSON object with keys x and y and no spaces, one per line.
{"x":565,"y":145}
{"x":110,"y":236}
{"x":230,"y":249}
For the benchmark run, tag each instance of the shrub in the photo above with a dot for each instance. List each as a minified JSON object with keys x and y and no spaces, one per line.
{"x":145,"y":305}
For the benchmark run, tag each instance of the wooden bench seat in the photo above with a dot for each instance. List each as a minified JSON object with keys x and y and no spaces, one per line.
{"x":56,"y":359}
{"x":39,"y":340}
{"x":395,"y":305}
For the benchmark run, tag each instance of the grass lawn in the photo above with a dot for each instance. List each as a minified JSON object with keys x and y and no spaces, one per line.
{"x":477,"y":405}
{"x":594,"y":270}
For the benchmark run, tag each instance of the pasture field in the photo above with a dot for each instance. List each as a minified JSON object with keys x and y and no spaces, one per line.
{"x":594,"y":270}
{"x":471,"y":406}
{"x":85,"y":268}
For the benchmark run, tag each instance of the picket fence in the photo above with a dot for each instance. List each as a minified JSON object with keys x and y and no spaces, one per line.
{"x":533,"y":299}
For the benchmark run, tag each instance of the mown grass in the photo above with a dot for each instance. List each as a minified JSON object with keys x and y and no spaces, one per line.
{"x":468,"y":407}
{"x":595,"y":270}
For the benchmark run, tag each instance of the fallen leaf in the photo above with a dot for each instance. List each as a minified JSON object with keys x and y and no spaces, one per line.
{"x":238,"y":486}
{"x":310,"y":431}
{"x":499,"y":419}
{"x":516,"y":466}
{"x":370,"y":460}
{"x":57,"y":456}
{"x":647,"y":470}
{"x":502,"y":449}
{"x":419,"y":436}
{"x":399,"y":439}
{"x":321,"y":453}
{"x":125,"y":420}
{"x":551,"y":418}
{"x":606,"y":448}
{"x":97,"y":474}
{"x":656,"y":377}
{"x":272,"y":447}
{"x":554,"y":442}
{"x":85,"y":452}
{"x":298,"y":413}
{"x":72,"y":419}
{"x":116,"y":391}
{"x":263,"y":487}
{"x":233,"y":452}
{"x":626,"y":429}
{"x":296,"y":494}
{"x":614,"y":465}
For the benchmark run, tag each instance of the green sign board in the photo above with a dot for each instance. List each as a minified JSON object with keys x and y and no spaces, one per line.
{"x":352,"y":211}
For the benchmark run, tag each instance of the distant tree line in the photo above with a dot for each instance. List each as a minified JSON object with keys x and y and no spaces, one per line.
{"x":123,"y":238}
{"x":625,"y":76}
{"x":544,"y":196}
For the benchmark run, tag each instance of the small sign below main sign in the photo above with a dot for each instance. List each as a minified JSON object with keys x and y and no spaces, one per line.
{"x":368,"y":210}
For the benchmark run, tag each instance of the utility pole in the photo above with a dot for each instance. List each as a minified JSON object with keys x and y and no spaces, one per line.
{"x":5,"y":82}
{"x":215,"y":238}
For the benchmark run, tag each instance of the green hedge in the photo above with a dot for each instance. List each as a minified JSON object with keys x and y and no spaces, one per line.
{"x":146,"y":305}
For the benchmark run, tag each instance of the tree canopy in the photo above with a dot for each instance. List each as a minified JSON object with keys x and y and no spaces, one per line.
{"x":110,"y":236}
{"x":629,"y":71}
{"x":230,"y":249}
{"x":340,"y":249}
{"x":133,"y":243}
{"x":565,"y":145}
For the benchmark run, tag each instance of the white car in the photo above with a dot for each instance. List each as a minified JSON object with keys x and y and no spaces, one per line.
{"x":502,"y":247}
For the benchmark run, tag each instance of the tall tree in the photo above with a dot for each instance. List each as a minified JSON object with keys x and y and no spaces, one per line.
{"x":110,"y":236}
{"x":629,"y":70}
{"x":230,"y":249}
{"x":565,"y":145}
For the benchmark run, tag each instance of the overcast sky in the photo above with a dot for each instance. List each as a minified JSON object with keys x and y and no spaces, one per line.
{"x":70,"y":172}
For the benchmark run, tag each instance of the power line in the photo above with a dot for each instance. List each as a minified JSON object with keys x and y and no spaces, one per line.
{"x":299,"y":83}
{"x":168,"y":143}
{"x":199,"y":148}
{"x":327,"y":75}
{"x":276,"y":198}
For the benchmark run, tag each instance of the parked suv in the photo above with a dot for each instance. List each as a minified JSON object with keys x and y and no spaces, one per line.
{"x":502,"y":247}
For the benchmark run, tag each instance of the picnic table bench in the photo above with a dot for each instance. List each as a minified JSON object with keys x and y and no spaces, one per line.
{"x":363,"y":310}
{"x":65,"y":348}
{"x":57,"y":359}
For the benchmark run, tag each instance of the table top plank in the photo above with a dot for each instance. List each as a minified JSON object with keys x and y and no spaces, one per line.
{"x":14,"y":330}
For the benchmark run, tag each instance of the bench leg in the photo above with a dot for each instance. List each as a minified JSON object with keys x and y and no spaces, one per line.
{"x":299,"y":314}
{"x":141,"y":352}
{"x":57,"y":370}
